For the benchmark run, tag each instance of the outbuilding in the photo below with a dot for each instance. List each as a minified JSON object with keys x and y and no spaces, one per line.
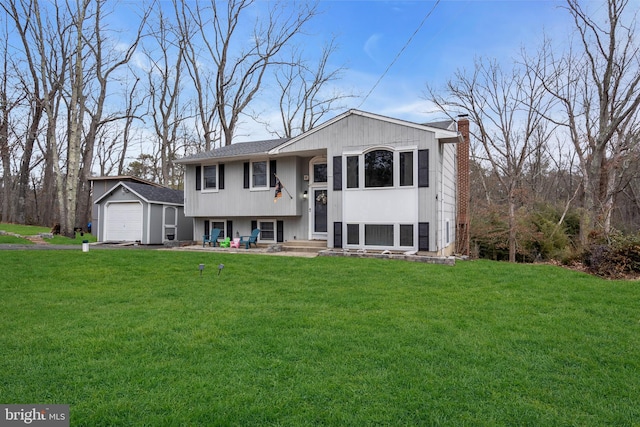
{"x":145,"y":213}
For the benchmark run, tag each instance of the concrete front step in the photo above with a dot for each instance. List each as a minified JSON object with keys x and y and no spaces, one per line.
{"x":304,"y":245}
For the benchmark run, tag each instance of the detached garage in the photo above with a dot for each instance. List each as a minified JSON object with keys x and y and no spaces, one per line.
{"x":142,"y":213}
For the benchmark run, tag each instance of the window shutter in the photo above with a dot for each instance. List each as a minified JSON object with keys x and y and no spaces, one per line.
{"x":206,"y":227}
{"x":423,"y":168}
{"x":423,"y":236}
{"x":221,"y":177}
{"x":254,"y":225}
{"x":337,"y":174}
{"x":198,"y":178}
{"x":230,"y":229}
{"x":280,"y":231}
{"x":246,"y":175}
{"x":272,"y":173}
{"x":337,"y":234}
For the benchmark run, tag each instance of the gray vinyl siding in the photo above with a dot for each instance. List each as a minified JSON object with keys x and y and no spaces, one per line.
{"x":156,"y":233}
{"x":357,"y":133}
{"x":354,"y":133}
{"x":234,"y":200}
{"x":449,"y":201}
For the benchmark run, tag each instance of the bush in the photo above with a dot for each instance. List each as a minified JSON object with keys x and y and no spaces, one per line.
{"x":537,"y":233}
{"x":616,"y":259}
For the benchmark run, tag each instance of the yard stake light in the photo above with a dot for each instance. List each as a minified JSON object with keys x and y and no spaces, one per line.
{"x":201,"y":267}
{"x":220,"y":267}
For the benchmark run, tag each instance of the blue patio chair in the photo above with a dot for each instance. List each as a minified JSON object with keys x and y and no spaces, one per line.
{"x":212,"y":238}
{"x":249,"y":240}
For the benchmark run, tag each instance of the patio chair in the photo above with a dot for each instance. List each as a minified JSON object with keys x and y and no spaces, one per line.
{"x":212,"y":238}
{"x":225,"y":243}
{"x":247,"y":241}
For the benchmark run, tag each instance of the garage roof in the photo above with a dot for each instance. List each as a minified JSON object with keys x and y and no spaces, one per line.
{"x":149,"y":193}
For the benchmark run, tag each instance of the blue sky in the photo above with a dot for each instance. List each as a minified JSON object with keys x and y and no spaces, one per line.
{"x":373,"y":32}
{"x":370,"y":35}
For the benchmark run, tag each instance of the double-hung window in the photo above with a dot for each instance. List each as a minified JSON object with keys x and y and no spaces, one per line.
{"x":406,"y":168}
{"x":209,"y":177}
{"x":259,"y":174}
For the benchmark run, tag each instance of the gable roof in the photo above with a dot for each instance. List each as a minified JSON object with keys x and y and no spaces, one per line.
{"x":239,"y":149}
{"x":149,"y":193}
{"x":444,"y":124}
{"x":440,"y":133}
{"x":443,"y":131}
{"x":129,"y":178}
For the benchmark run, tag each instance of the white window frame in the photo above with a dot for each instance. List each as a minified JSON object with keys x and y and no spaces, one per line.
{"x":203,"y":186}
{"x":224,"y":228}
{"x":396,"y":167}
{"x":362,"y":236}
{"x":169,"y":222}
{"x":312,"y":163}
{"x":275,"y":229}
{"x":252,"y":186}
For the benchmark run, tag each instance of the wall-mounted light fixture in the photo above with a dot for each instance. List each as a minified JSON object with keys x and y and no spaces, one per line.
{"x":305,"y":195}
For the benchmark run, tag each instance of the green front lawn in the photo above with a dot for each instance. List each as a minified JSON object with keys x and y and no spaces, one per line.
{"x":138,"y":337}
{"x":33,"y":230}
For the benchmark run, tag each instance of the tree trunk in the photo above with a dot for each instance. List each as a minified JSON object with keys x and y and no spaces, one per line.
{"x":25,"y":164}
{"x":512,"y":228}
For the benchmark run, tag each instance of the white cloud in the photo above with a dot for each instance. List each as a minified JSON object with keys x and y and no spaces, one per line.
{"x":371,"y":46}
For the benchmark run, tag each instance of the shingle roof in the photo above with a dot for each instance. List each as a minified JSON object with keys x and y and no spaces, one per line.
{"x":157,"y":194}
{"x":445,"y":124}
{"x":236,"y":150}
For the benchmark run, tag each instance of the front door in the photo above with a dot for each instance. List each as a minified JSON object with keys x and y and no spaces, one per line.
{"x":319,"y":213}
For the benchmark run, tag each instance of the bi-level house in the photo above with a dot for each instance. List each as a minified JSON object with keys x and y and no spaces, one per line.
{"x":358,"y":181}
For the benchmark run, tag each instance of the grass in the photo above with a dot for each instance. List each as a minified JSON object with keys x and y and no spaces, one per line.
{"x":137,"y":337}
{"x":31,"y":230}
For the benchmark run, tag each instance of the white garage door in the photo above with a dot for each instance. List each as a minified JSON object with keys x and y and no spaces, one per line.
{"x":124,"y":222}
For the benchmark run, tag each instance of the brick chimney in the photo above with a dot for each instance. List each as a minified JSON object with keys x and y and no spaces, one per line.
{"x":462,"y":232}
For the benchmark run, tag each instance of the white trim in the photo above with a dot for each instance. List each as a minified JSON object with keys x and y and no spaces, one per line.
{"x":121,"y":202}
{"x":224,"y":227}
{"x":321,"y":186}
{"x":267,"y":175}
{"x":439,"y":133}
{"x":165,"y":225}
{"x":396,"y":167}
{"x":144,"y":199}
{"x":318,"y":160}
{"x":396,"y":236}
{"x":202,"y":180}
{"x":275,"y":229}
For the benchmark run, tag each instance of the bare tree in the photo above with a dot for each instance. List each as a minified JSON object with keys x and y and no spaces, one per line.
{"x":106,"y":63}
{"x":305,"y":95}
{"x":507,"y":112}
{"x":7,"y":105}
{"x":22,"y":14}
{"x":131,"y":114}
{"x":165,"y":88}
{"x":239,"y":74}
{"x":202,"y":75}
{"x":597,"y":85}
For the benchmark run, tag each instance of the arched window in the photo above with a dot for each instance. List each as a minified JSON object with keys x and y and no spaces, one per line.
{"x":378,"y":168}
